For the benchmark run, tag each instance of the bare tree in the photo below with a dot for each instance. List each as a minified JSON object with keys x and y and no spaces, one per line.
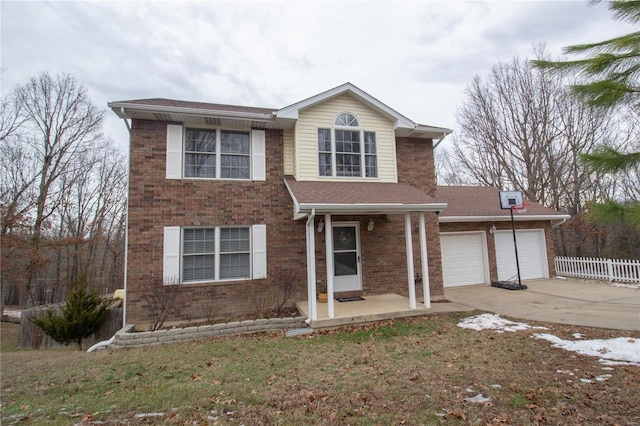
{"x":62,"y":123}
{"x":521,"y":129}
{"x":62,"y":192}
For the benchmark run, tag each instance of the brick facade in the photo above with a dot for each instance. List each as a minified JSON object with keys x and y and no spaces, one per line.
{"x":156,"y":202}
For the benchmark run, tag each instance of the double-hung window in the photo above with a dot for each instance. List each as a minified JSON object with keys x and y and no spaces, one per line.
{"x":212,"y":254}
{"x":346,"y":150}
{"x":215,"y":153}
{"x":217,"y":253}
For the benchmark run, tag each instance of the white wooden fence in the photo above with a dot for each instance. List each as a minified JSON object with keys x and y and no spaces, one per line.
{"x":599,"y":269}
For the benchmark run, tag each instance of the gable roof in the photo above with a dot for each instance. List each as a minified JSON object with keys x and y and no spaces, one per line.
{"x":358,"y":198}
{"x":404,"y":126}
{"x":481,"y":204}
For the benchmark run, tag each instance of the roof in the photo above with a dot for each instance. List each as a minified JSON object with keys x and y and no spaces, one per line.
{"x":481,"y":203}
{"x":358,"y":198}
{"x":284,"y":118}
{"x":163,"y":102}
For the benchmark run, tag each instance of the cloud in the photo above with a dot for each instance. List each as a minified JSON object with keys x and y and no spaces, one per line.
{"x":417,"y":57}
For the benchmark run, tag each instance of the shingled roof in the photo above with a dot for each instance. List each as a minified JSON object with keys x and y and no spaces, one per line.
{"x":359,"y":197}
{"x":476,"y":203}
{"x":173,"y":103}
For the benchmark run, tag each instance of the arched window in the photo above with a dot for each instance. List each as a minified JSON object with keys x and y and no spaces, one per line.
{"x":346,"y":119}
{"x":345,"y":148}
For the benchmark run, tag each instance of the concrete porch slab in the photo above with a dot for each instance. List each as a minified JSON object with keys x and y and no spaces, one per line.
{"x":373,"y":308}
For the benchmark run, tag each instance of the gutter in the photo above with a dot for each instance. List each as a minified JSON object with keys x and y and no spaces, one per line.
{"x":254,"y":116}
{"x":517,"y":218}
{"x":365,"y":208}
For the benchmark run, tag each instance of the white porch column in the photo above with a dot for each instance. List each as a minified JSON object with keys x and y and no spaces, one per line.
{"x":328,"y":237}
{"x":409,"y":245}
{"x":425,"y":263}
{"x":311,"y":269}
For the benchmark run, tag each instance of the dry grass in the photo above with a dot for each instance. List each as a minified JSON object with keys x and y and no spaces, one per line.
{"x":416,"y":371}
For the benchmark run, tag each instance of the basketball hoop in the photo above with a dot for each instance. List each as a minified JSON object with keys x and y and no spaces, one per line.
{"x":520,"y":208}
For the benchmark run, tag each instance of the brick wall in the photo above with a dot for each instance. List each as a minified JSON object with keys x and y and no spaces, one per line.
{"x":416,"y":167}
{"x":156,"y":202}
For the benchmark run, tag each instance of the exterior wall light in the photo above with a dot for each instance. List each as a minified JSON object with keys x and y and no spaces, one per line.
{"x":370,"y":225}
{"x":320,"y":226}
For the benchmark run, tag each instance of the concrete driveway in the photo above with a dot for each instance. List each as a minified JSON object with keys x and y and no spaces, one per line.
{"x":586,"y":303}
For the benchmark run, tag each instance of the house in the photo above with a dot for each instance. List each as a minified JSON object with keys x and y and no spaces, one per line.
{"x":227,"y":203}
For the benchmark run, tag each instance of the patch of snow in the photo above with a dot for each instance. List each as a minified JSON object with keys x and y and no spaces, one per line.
{"x":626,"y":285}
{"x":479,"y":398}
{"x":578,"y":336}
{"x":148,"y":415}
{"x":494,"y":322}
{"x":496,"y":386}
{"x":470,"y":389}
{"x":610,"y":351}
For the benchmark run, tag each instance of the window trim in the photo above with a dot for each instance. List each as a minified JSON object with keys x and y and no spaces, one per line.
{"x":218,"y":153}
{"x":363,"y":155}
{"x":173,"y":254}
{"x":217,"y":254}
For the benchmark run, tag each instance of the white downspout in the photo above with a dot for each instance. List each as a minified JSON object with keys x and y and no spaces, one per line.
{"x":126,"y":228}
{"x":555,"y":225}
{"x":444,"y":135}
{"x":311,"y":268}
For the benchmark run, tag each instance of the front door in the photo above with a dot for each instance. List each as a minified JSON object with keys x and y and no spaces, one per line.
{"x":346,"y":257}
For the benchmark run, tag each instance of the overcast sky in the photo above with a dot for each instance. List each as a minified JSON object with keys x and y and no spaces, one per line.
{"x":416,"y":57}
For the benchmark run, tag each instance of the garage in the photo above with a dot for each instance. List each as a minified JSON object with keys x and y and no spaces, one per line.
{"x":464,"y":258}
{"x":532,"y":252}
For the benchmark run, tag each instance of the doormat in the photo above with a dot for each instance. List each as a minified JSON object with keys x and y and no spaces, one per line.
{"x":349,"y":299}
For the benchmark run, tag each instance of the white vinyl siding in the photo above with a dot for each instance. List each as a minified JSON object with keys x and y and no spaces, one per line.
{"x":209,"y":254}
{"x":322,"y":116}
{"x":208,"y":153}
{"x":532,"y":253}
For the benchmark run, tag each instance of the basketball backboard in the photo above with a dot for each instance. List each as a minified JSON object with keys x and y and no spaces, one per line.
{"x":509,"y":199}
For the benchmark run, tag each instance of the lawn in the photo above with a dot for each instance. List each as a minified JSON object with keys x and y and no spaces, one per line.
{"x":424,"y":370}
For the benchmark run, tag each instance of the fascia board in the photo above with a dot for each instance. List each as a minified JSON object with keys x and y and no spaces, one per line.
{"x":383,"y":208}
{"x":253,"y":116}
{"x":296,"y":204}
{"x":516,"y":218}
{"x":292,"y":111}
{"x":439,"y":130}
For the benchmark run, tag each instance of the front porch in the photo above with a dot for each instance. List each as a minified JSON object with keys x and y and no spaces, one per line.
{"x":373,"y":308}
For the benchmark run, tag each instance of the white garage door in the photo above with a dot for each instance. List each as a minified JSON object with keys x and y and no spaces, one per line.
{"x":532,"y":253}
{"x":464,"y":259}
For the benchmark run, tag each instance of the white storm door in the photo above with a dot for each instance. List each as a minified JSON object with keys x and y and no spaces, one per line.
{"x":346,"y":257}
